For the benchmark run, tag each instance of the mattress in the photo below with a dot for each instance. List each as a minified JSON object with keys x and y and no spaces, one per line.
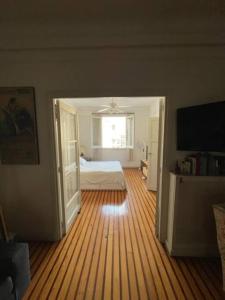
{"x":102,"y":175}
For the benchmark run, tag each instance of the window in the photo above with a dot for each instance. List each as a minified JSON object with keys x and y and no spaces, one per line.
{"x":113,"y":131}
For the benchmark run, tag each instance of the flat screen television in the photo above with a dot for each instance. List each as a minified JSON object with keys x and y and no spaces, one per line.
{"x":201,"y":128}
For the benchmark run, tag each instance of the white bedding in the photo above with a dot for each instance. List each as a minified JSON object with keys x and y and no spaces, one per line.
{"x":102,"y":175}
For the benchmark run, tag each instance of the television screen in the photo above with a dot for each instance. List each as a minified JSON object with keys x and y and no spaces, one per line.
{"x":201,"y":128}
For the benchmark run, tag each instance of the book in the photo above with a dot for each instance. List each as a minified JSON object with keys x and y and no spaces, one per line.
{"x":193,"y":164}
{"x":203,"y":165}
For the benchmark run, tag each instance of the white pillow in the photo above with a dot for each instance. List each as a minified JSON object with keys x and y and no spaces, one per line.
{"x":82,"y":161}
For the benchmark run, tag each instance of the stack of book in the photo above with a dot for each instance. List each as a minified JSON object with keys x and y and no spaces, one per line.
{"x":202,"y":164}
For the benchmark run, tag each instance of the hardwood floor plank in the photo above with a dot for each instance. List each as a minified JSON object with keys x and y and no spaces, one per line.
{"x":124,"y":273}
{"x":85,"y":254}
{"x":212,"y":289}
{"x":107,"y":294}
{"x":196,"y":291}
{"x":111,"y":252}
{"x":148,"y":290}
{"x":157,"y":281}
{"x":166,"y":261}
{"x":214,"y":277}
{"x":162,"y":270}
{"x":58,"y":261}
{"x":116,"y":288}
{"x":38,"y":261}
{"x":33,"y":246}
{"x":100,"y":278}
{"x":44,"y":279}
{"x":87,"y":263}
{"x":75,"y":247}
{"x":134,"y":288}
{"x":31,"y":292}
{"x":204,"y":289}
{"x":36,"y":253}
{"x":91,"y":280}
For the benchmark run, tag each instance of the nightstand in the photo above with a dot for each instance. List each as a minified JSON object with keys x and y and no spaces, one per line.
{"x":144,"y":168}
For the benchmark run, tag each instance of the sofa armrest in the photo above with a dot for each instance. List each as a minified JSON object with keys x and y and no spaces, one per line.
{"x":6,"y":288}
{"x":16,"y":256}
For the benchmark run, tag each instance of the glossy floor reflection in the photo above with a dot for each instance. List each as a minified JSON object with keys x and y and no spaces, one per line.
{"x":119,"y":209}
{"x":115,"y":210}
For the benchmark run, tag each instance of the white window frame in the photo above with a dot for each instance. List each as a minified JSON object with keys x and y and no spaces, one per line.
{"x":95,"y":116}
{"x":128,"y":117}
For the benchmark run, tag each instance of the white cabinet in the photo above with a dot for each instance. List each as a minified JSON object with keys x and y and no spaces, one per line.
{"x":191,"y":225}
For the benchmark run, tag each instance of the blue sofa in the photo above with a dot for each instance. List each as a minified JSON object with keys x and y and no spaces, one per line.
{"x":14,"y":270}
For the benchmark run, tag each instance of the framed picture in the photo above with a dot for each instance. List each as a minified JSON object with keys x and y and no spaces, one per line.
{"x":18,"y":126}
{"x":3,"y":230}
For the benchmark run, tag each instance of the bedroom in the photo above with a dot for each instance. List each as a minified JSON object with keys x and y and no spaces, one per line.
{"x":117,"y":129}
{"x":109,"y":134}
{"x":121,"y":135}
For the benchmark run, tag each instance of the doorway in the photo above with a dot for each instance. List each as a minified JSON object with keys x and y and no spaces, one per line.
{"x":72,"y":104}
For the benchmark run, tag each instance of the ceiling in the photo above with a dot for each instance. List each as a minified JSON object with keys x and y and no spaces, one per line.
{"x":97,"y":102}
{"x":46,"y":10}
{"x":71,"y":24}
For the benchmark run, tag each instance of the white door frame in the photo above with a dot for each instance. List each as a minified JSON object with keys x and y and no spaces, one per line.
{"x":161,"y":205}
{"x":160,"y":162}
{"x":148,"y":181}
{"x":56,"y":173}
{"x":160,"y":217}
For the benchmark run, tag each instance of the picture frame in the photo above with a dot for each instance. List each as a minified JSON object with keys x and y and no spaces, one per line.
{"x":3,"y":229}
{"x":18,"y":126}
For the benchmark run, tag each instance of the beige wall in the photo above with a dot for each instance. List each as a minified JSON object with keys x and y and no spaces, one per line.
{"x":185,"y":75}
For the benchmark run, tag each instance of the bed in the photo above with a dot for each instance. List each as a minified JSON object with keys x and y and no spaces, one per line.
{"x":101,"y":175}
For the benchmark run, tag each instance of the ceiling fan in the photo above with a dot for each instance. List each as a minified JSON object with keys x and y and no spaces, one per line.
{"x":112,"y":108}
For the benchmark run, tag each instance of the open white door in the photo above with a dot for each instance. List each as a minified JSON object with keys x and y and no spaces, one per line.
{"x":68,"y":163}
{"x":160,"y":217}
{"x":130,"y":131}
{"x":153,"y":154}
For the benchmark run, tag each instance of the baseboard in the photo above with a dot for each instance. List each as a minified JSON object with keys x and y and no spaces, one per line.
{"x":168,"y":247}
{"x":194,"y":250}
{"x":130,"y":164}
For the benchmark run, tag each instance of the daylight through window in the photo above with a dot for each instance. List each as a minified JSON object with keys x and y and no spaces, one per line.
{"x":113,"y":131}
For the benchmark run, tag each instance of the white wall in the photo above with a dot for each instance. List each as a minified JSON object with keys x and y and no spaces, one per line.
{"x":85,"y":132}
{"x":185,"y":75}
{"x":128,"y":158}
{"x":154,"y":108}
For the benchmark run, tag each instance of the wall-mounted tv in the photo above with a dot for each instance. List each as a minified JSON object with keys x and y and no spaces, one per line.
{"x":201,"y":128}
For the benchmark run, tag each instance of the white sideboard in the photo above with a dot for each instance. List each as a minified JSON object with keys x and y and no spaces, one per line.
{"x":191,"y":225}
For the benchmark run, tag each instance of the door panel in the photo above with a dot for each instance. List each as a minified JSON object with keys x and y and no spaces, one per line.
{"x":68,"y":163}
{"x":153,"y":154}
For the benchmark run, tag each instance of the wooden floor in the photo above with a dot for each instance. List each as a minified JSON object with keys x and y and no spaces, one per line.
{"x":111,"y":252}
